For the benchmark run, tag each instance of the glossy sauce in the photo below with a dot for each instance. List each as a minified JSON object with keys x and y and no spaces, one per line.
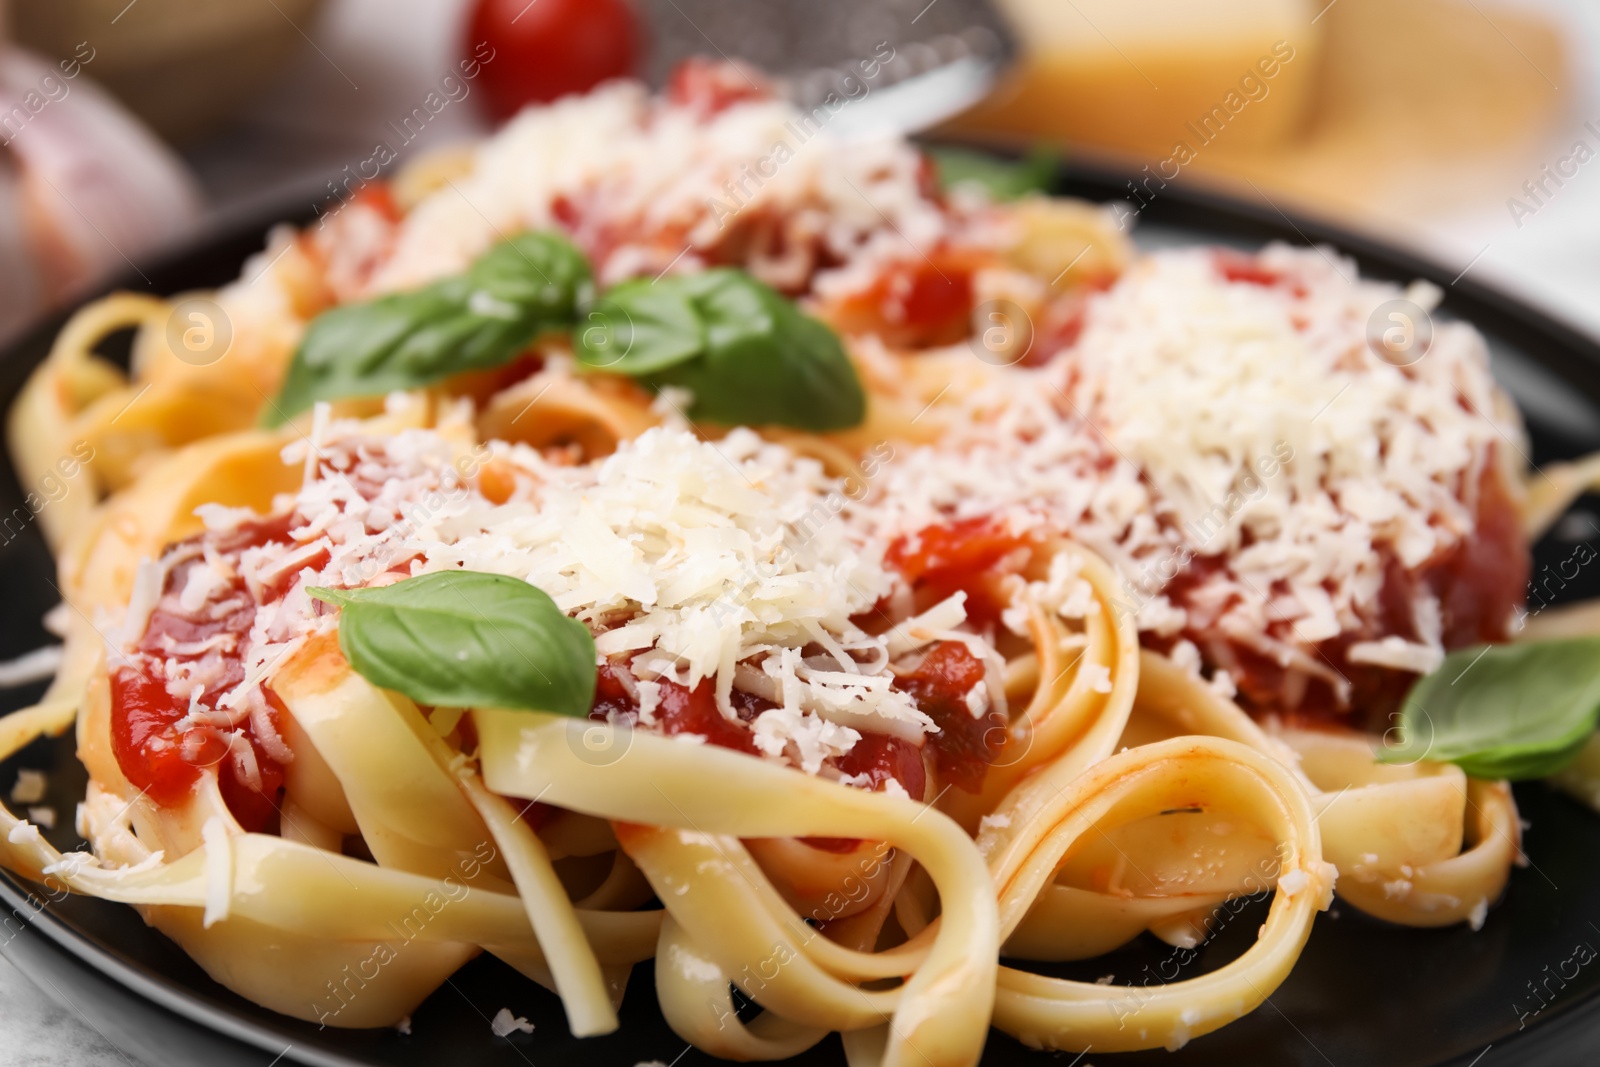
{"x":975,"y":556}
{"x":680,"y":710}
{"x":965,"y":744}
{"x":981,"y":558}
{"x":1479,"y":583}
{"x":155,"y":755}
{"x":913,"y":304}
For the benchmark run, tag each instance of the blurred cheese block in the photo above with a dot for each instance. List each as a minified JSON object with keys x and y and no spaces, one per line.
{"x":1423,"y":107}
{"x":1145,"y":75}
{"x":1390,"y":111}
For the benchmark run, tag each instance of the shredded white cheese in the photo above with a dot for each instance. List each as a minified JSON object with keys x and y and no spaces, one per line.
{"x":1201,"y":417}
{"x":693,"y":562}
{"x":29,"y":788}
{"x":37,"y":666}
{"x":1293,"y":882}
{"x":505,"y":1024}
{"x":217,"y":869}
{"x":655,"y":186}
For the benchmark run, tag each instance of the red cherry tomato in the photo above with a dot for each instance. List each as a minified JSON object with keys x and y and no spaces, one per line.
{"x":546,"y":49}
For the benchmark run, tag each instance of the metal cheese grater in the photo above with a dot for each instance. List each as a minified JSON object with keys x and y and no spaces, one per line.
{"x":897,"y":65}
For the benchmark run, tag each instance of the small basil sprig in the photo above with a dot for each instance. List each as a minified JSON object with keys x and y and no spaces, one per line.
{"x":1002,"y":179}
{"x":1504,"y":711}
{"x":465,"y":639}
{"x":473,"y":321}
{"x":746,"y":354}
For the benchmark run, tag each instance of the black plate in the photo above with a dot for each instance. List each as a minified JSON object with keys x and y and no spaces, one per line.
{"x":1364,"y":994}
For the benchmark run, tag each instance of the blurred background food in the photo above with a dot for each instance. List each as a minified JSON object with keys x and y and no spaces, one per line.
{"x":1153,"y":66}
{"x":1375,"y":109}
{"x":1461,"y":127}
{"x":182,"y":66}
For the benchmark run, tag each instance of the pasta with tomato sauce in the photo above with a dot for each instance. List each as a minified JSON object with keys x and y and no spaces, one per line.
{"x":662,"y":563}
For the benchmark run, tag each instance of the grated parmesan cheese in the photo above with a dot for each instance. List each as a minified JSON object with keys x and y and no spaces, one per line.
{"x":1293,"y":882}
{"x":37,"y":666}
{"x":1098,"y":675}
{"x":1398,"y":653}
{"x":1198,"y":417}
{"x":29,"y":788}
{"x":691,"y":561}
{"x":217,"y":869}
{"x":646,"y":185}
{"x":505,"y":1024}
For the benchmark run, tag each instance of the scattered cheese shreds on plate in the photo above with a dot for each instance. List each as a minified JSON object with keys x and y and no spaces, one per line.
{"x":505,"y":1024}
{"x":29,"y":787}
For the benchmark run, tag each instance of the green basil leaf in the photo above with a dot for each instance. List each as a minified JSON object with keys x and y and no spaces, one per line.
{"x":1002,"y":179}
{"x":474,"y":321}
{"x":640,"y":327}
{"x":747,"y":354}
{"x":465,"y":639}
{"x":1504,"y":711}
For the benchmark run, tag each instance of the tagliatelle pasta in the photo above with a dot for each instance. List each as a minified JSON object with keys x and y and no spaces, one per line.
{"x":1089,"y":627}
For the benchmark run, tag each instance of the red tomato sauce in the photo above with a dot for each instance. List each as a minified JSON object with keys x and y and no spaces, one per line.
{"x":923,"y":300}
{"x":1246,"y":269}
{"x":1479,"y":582}
{"x":706,"y":87}
{"x":914,"y":304}
{"x":979,"y":557}
{"x":975,"y":556}
{"x":711,"y":86}
{"x":755,"y":234}
{"x":965,"y":744}
{"x":681,"y":710}
{"x":378,"y":195}
{"x":879,"y":757}
{"x":584,"y":218}
{"x":155,"y":752}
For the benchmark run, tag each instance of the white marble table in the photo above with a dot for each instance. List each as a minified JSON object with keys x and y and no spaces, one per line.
{"x":35,"y":1031}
